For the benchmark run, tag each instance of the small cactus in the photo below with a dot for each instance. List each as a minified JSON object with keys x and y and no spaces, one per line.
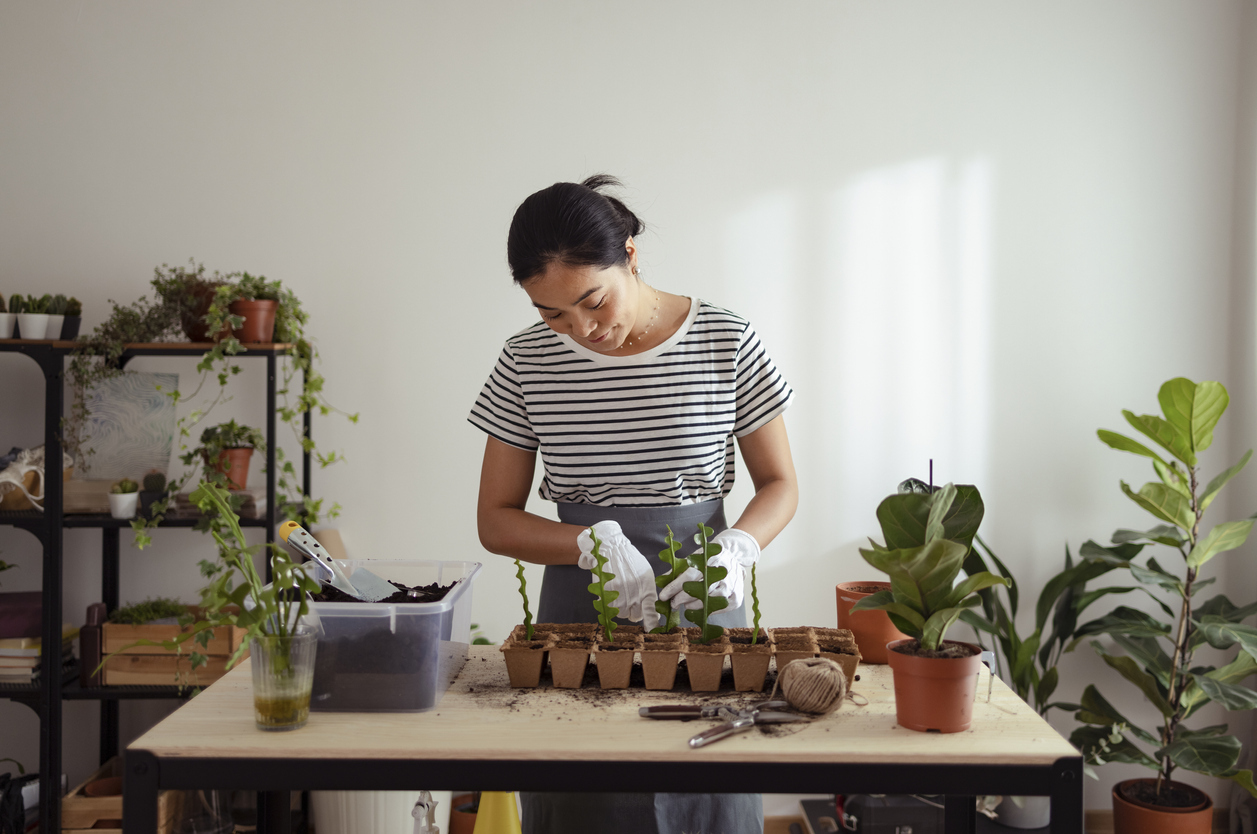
{"x":17,"y":304}
{"x":155,"y":482}
{"x":73,"y":307}
{"x":125,"y":486}
{"x":57,"y":305}
{"x":2,"y":307}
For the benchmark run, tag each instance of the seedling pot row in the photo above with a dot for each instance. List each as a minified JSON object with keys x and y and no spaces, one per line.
{"x":569,"y":649}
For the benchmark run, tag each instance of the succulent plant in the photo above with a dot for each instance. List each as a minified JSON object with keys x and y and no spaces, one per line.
{"x":57,"y":305}
{"x":155,"y":482}
{"x":73,"y":307}
{"x":125,"y":486}
{"x":38,"y":306}
{"x":17,"y":304}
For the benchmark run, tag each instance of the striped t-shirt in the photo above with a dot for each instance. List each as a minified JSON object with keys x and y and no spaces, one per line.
{"x":654,"y":429}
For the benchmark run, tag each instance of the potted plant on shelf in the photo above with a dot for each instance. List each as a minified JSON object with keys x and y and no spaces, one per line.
{"x":73,"y":319}
{"x":154,"y":489}
{"x":661,"y":648}
{"x":1029,"y":664}
{"x":225,"y":451}
{"x":928,"y":533}
{"x":707,"y":644}
{"x":1176,"y":683}
{"x":32,"y":315}
{"x":123,"y":496}
{"x":187,"y":294}
{"x":56,"y":316}
{"x":523,"y":652}
{"x":612,"y":656}
{"x":252,"y":304}
{"x":6,"y":320}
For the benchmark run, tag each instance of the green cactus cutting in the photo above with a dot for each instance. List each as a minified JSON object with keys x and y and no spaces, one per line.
{"x":669,"y":617}
{"x":700,"y":588}
{"x":754,"y":606}
{"x":523,"y":592}
{"x":602,"y":597}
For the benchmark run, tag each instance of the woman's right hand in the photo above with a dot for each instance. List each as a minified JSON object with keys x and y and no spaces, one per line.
{"x":634,"y":578}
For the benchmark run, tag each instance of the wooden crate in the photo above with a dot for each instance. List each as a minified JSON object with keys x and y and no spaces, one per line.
{"x":80,"y":812}
{"x":155,"y":665}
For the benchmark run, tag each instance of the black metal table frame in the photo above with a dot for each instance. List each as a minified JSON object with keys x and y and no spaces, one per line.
{"x":275,"y":778}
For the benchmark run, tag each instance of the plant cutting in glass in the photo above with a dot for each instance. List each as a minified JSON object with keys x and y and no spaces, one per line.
{"x":928,"y":533}
{"x":1174,"y":682}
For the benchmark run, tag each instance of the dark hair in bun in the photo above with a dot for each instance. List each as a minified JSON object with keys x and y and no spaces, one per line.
{"x":574,"y":224}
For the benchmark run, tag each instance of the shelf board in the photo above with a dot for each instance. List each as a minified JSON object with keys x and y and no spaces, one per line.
{"x":73,"y":692}
{"x":34,"y":518}
{"x":149,"y":348}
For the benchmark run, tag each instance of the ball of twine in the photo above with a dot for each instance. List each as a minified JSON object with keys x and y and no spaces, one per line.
{"x":813,"y":684}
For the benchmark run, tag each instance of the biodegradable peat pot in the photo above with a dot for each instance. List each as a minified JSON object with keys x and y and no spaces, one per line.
{"x":791,"y":644}
{"x":1133,"y":815}
{"x":660,"y":653}
{"x":705,"y":665}
{"x":568,"y":660}
{"x":524,"y":661}
{"x":934,"y":694}
{"x":872,"y":629}
{"x":750,"y":665}
{"x":234,"y":465}
{"x":838,"y":645}
{"x":615,"y":664}
{"x":259,"y":320}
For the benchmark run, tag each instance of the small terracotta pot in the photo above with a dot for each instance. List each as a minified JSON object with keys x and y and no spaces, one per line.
{"x":259,"y":320}
{"x":524,"y":661}
{"x":872,"y":629}
{"x":615,"y":664}
{"x":462,"y":822}
{"x":705,"y":665}
{"x":567,"y":664}
{"x":1131,"y":816}
{"x":750,"y":666}
{"x":234,"y":464}
{"x":934,"y":694}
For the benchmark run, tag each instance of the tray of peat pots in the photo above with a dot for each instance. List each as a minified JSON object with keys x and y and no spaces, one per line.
{"x":749,"y":653}
{"x":569,"y":652}
{"x":614,"y":657}
{"x":525,"y":656}
{"x":661,"y":655}
{"x":704,"y":662}
{"x":399,"y":654}
{"x":838,"y":644}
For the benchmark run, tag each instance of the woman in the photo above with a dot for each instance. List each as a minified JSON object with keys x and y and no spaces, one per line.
{"x":634,"y":397}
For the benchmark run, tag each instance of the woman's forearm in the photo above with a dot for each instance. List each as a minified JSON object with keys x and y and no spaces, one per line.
{"x":519,"y":534}
{"x":766,"y":452}
{"x":769,"y":511}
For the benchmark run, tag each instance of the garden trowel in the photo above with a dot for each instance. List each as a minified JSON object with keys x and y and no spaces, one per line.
{"x":363,"y":585}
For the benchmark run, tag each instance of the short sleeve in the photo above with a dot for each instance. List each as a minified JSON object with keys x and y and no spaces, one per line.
{"x":762,"y":392}
{"x":500,"y":410}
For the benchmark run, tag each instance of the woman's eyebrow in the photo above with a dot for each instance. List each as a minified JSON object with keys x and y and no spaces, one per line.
{"x":574,"y":303}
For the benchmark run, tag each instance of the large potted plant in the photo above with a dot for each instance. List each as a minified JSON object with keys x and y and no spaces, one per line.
{"x":1160,"y":658}
{"x":225,"y":451}
{"x":928,"y":534}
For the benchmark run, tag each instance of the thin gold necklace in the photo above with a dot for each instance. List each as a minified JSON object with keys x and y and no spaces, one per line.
{"x":654,"y":315}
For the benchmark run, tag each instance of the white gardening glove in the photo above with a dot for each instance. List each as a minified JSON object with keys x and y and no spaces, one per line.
{"x":738,"y":549}
{"x":633,"y":577}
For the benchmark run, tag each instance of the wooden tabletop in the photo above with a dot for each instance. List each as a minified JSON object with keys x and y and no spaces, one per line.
{"x":482,"y":718}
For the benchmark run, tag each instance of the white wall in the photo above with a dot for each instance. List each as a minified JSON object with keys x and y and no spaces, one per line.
{"x":970,"y":231}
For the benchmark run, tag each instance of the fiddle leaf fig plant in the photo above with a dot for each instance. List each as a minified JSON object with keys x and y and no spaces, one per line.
{"x":669,"y":617}
{"x":603,"y":598}
{"x":928,"y":534}
{"x":1156,"y":656}
{"x":700,"y":589}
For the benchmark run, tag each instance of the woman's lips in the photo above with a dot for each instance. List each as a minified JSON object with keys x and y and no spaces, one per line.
{"x":600,"y":338}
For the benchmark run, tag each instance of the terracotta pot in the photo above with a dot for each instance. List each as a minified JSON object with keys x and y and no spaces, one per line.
{"x":1131,"y":816}
{"x":750,"y":666}
{"x":872,"y":629}
{"x":705,"y":665}
{"x":462,"y":821}
{"x":234,"y":464}
{"x":524,"y":660}
{"x":568,"y":662}
{"x":259,"y":320}
{"x":935,"y":694}
{"x":615,"y":664}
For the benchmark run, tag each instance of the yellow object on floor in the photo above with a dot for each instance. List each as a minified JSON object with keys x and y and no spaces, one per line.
{"x":498,"y":814}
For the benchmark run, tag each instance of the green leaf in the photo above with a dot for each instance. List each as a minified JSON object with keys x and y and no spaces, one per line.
{"x":1194,"y":408}
{"x":523,"y":592}
{"x":1128,"y":669}
{"x":1047,"y":685}
{"x":1164,"y":503}
{"x":700,"y":589}
{"x":1164,"y":434}
{"x":1223,"y":634}
{"x":669,"y":618}
{"x":1243,"y":778}
{"x":1149,"y":654}
{"x":942,"y":501}
{"x":1211,"y":756}
{"x":1173,"y":478}
{"x":1232,"y":696}
{"x":1215,"y":486}
{"x":1223,"y":537}
{"x":973,"y":584}
{"x":603,"y":598}
{"x":1098,"y":747}
{"x":1234,"y":672}
{"x":905,"y":516}
{"x":1220,"y":606}
{"x":1095,"y":709}
{"x":935,"y":628}
{"x":1124,"y":444}
{"x":1123,"y":620}
{"x":1156,"y":575}
{"x":1162,"y":534}
{"x":1117,"y":556}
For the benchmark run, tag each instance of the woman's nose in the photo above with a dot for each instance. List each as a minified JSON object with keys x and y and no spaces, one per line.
{"x":585,"y":326}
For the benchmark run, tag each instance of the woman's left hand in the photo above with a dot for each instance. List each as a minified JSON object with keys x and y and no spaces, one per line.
{"x":738,"y":549}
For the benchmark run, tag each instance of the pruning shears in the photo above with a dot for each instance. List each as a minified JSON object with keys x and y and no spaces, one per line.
{"x":735,"y":721}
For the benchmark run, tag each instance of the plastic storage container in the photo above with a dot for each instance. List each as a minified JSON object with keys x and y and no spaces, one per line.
{"x":393,"y":657}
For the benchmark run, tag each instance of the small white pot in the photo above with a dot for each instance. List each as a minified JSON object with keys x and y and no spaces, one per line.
{"x":123,"y":505}
{"x":32,"y":325}
{"x":55,"y":323}
{"x":1032,"y":812}
{"x":6,"y":325}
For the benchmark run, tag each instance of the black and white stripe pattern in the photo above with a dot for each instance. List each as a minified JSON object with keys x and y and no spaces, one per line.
{"x":655,"y":429}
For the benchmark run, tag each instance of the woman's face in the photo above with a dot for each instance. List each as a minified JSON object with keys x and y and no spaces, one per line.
{"x":598,"y":307}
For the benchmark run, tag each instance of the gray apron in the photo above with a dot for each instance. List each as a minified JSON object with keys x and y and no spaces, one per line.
{"x":565,"y":598}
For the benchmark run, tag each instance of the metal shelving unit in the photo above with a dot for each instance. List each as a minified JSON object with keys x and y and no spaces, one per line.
{"x":45,"y":696}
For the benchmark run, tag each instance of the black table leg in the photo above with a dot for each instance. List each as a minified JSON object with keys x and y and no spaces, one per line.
{"x":274,"y":812}
{"x":1067,"y":812}
{"x":139,"y":789}
{"x":959,"y":814}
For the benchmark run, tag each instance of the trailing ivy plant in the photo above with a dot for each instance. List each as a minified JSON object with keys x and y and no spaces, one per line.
{"x":603,"y":598}
{"x":139,"y":613}
{"x":523,"y":592}
{"x":700,"y":589}
{"x":669,"y":616}
{"x":1176,"y":684}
